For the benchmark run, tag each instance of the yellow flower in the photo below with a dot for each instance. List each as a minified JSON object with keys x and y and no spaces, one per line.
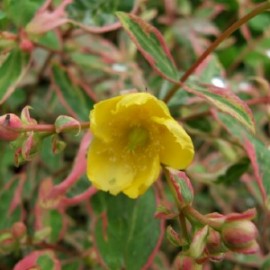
{"x":133,"y":135}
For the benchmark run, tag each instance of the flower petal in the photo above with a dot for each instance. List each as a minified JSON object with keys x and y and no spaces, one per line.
{"x":101,"y":116}
{"x":148,"y":103}
{"x":106,"y":170}
{"x":176,"y":148}
{"x":145,"y":178}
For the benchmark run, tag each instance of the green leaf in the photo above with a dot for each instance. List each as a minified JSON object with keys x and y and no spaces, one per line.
{"x":6,"y":198}
{"x":45,"y":262}
{"x":131,"y":232}
{"x":21,"y":12}
{"x":98,"y":13}
{"x":10,"y":73}
{"x":89,"y":61}
{"x":225,"y":101}
{"x":262,"y":154}
{"x":234,"y":172}
{"x":73,"y":97}
{"x":151,"y":44}
{"x":56,"y":223}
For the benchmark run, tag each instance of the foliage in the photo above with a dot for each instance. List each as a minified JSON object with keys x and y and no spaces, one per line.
{"x":207,"y":60}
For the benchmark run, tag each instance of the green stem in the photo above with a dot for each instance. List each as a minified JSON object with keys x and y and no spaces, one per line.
{"x":259,"y":9}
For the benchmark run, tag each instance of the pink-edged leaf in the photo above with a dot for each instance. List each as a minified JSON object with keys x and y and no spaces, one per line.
{"x":257,"y":152}
{"x":251,"y":152}
{"x":63,"y":122}
{"x":11,"y":202}
{"x":151,"y":44}
{"x":181,"y":186}
{"x":127,"y":235}
{"x":225,"y":101}
{"x":42,"y":259}
{"x":12,"y":71}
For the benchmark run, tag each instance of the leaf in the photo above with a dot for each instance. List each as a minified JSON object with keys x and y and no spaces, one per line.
{"x":72,"y":97}
{"x":45,"y":262}
{"x":63,"y":122}
{"x":10,"y":73}
{"x":261,"y":158}
{"x":128,"y":234}
{"x":234,"y":172}
{"x":225,"y":101}
{"x":151,"y":44}
{"x":41,"y":259}
{"x":21,"y":12}
{"x":10,"y":203}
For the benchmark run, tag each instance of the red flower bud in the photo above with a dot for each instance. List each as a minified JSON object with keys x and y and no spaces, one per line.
{"x":18,"y":230}
{"x":7,"y":124}
{"x":240,"y":236}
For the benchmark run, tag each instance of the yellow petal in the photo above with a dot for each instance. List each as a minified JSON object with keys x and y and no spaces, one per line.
{"x":106,"y":170}
{"x":148,"y":104}
{"x":100,"y":118}
{"x":176,"y":147}
{"x":145,"y":177}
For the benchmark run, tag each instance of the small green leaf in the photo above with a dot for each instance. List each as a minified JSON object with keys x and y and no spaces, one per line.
{"x":131,"y":232}
{"x":64,"y":122}
{"x":56,"y":223}
{"x":234,"y":172}
{"x":45,"y":262}
{"x":151,"y":44}
{"x":21,"y":12}
{"x":10,"y":73}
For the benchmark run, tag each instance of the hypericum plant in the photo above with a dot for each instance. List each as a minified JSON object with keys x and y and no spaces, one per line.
{"x":152,"y":116}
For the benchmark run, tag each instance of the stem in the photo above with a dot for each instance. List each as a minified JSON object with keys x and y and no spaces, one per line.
{"x":49,"y":128}
{"x":259,"y":9}
{"x":193,"y":214}
{"x":182,"y":219}
{"x":67,"y":202}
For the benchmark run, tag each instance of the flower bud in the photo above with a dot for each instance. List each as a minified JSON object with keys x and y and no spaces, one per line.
{"x":240,"y":236}
{"x":214,"y":246}
{"x":18,"y":230}
{"x":185,"y":262}
{"x":7,"y":123}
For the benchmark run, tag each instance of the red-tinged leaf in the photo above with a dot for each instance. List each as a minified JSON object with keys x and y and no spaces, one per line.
{"x":25,"y":116}
{"x":44,"y":259}
{"x":174,"y":237}
{"x":251,"y":152}
{"x":64,"y":122}
{"x":151,"y":44}
{"x":11,"y":202}
{"x":181,"y":186}
{"x":164,"y":212}
{"x":11,"y":72}
{"x":127,"y":235}
{"x":57,"y":145}
{"x":30,"y":146}
{"x":225,"y":101}
{"x":198,"y":243}
{"x":257,"y":152}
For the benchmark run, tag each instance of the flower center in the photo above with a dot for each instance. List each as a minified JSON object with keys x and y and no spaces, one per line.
{"x":137,"y":137}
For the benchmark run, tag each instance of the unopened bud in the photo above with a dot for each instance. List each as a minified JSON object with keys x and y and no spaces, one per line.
{"x":26,"y":45}
{"x":8,"y":123}
{"x":240,"y":236}
{"x":18,"y":230}
{"x":185,"y":263}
